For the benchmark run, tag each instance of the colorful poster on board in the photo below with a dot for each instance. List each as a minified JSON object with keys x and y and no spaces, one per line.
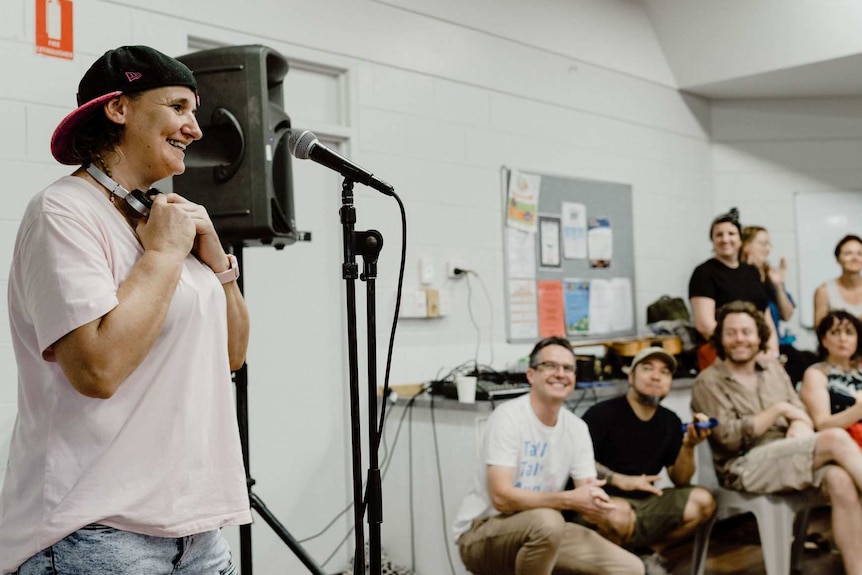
{"x":523,"y":201}
{"x":552,"y":321}
{"x":576,"y":298}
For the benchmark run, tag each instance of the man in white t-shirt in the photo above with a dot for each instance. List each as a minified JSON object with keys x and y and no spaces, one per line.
{"x":511,"y":520}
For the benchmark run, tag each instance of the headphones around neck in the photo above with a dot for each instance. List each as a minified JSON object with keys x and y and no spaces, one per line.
{"x":136,"y":203}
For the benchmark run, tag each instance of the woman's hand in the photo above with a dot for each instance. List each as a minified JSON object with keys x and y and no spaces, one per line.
{"x":207,"y":246}
{"x":168,"y":229}
{"x":777,"y":275}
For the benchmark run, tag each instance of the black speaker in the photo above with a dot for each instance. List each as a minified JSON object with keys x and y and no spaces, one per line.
{"x":241,"y":169}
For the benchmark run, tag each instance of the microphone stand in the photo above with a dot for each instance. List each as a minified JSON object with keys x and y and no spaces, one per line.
{"x":240,"y":378}
{"x":368,"y":245}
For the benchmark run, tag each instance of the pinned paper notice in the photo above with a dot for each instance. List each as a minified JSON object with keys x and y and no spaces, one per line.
{"x":574,"y":231}
{"x":601,"y":242}
{"x":523,"y":201}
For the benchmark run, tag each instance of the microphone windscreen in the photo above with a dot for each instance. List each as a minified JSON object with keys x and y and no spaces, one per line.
{"x":300,"y":143}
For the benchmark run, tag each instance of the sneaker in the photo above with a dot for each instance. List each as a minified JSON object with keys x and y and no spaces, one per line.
{"x":655,"y":564}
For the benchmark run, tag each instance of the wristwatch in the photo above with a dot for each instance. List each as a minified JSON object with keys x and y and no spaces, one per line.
{"x":230,"y":274}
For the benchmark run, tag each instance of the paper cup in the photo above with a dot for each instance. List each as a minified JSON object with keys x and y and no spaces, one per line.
{"x":466,"y":388}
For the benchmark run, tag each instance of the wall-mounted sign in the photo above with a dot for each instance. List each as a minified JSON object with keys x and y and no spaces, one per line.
{"x":54,"y":28}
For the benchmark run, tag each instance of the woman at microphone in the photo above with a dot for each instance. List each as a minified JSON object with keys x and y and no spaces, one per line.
{"x":126,"y":322}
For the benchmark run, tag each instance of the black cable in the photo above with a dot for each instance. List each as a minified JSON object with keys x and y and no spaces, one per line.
{"x":328,"y":525}
{"x":490,"y":313}
{"x":388,"y":461}
{"x":473,"y":321}
{"x":395,"y":316}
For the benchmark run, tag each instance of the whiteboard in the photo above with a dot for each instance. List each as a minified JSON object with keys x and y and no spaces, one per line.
{"x":822,"y":219}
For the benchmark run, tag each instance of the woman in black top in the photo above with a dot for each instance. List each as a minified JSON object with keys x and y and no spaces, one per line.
{"x":723,"y":279}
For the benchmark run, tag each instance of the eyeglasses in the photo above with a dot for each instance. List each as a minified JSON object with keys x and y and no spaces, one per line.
{"x":554,"y":366}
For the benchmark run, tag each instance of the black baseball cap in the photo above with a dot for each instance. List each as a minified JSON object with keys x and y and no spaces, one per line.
{"x":123,"y":70}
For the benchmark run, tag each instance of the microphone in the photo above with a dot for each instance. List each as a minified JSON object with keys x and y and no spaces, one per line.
{"x":304,"y":145}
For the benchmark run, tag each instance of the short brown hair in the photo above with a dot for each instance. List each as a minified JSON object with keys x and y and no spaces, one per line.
{"x":745,"y":307}
{"x":846,"y":239}
{"x":543,"y":343}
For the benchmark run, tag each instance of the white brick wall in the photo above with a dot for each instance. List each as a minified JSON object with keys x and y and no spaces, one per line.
{"x":436,"y":106}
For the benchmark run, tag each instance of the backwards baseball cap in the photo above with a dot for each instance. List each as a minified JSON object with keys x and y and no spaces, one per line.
{"x":121,"y":71}
{"x":649,"y":352}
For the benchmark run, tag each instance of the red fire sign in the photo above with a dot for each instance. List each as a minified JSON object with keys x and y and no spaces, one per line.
{"x":54,"y":28}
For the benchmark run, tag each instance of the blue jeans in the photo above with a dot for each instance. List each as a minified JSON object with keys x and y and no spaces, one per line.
{"x":100,"y":550}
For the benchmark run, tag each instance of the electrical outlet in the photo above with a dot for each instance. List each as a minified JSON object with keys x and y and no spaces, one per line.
{"x":451,"y":266}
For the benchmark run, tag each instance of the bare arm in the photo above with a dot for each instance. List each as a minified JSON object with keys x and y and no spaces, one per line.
{"x":703,"y":309}
{"x":237,"y":325}
{"x":767,"y":418}
{"x":683,"y":468}
{"x":629,"y":482}
{"x":782,"y":300}
{"x":821,"y":304}
{"x":815,"y":395}
{"x":208,"y":249}
{"x":772,"y":343}
{"x":97,"y":357}
{"x":587,"y":498}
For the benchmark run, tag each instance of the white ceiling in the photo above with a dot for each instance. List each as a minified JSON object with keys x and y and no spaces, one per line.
{"x":732,"y":49}
{"x":841,"y":77}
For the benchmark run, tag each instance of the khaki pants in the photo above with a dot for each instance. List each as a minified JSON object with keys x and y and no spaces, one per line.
{"x":540,"y":542}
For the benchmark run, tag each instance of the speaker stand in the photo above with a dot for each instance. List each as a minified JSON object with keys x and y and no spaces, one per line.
{"x":240,"y":378}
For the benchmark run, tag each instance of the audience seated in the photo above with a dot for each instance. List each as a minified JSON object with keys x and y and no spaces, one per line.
{"x":845,"y":291}
{"x":765,"y":441}
{"x":830,"y":388}
{"x":723,"y":279}
{"x":634,"y":438}
{"x":511,"y":520}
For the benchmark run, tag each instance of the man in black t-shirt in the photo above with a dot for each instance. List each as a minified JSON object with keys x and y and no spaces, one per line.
{"x":634,"y":439}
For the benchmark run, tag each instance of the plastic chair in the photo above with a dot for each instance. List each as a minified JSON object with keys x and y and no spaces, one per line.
{"x":782,"y":518}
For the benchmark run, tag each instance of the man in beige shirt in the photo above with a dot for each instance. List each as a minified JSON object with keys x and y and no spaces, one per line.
{"x":765,"y":441}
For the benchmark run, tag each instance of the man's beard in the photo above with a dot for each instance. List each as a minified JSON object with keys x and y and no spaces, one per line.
{"x":730,"y":358}
{"x":647,"y":400}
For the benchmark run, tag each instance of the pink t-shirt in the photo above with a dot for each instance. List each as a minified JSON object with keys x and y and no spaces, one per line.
{"x":160,"y":457}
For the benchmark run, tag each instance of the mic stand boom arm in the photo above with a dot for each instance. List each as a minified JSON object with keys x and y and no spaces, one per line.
{"x":368,"y":245}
